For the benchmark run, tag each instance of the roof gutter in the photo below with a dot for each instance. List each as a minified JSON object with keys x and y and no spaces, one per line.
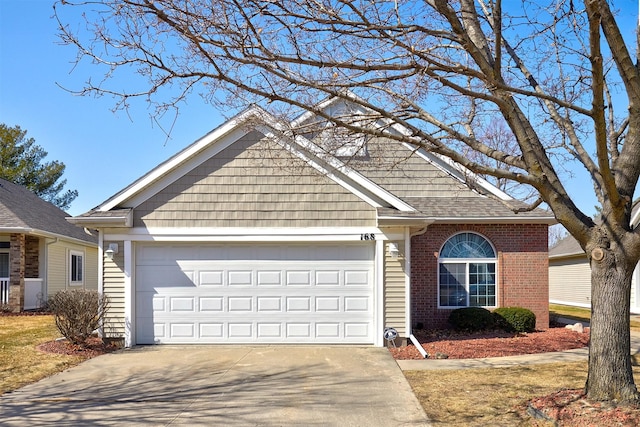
{"x":24,"y":230}
{"x":103,"y":222}
{"x":497,"y":220}
{"x":409,"y":221}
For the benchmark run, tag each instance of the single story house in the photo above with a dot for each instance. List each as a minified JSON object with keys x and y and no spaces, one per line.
{"x":570,"y":272}
{"x":40,"y":252}
{"x":253,"y":234}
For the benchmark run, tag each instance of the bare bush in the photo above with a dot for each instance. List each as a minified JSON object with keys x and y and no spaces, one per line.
{"x":78,"y":313}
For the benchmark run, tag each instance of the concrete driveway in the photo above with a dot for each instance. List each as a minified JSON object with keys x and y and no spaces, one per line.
{"x":222,"y":385}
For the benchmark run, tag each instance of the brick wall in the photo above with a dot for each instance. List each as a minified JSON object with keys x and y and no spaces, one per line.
{"x":522,"y":269}
{"x":16,"y":272}
{"x":32,"y":249}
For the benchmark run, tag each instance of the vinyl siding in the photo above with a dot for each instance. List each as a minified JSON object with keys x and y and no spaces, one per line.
{"x":254,"y":183}
{"x":91,"y":269}
{"x":58,"y":260}
{"x":570,"y":281}
{"x":394,"y":290}
{"x":56,"y":268}
{"x":403,"y":173}
{"x":113,"y":287}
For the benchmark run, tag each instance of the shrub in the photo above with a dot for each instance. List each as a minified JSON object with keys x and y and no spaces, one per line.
{"x":471,"y":319}
{"x":78,"y":313}
{"x":515,"y":319}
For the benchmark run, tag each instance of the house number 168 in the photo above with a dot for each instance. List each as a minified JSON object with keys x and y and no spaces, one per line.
{"x":368,"y":236}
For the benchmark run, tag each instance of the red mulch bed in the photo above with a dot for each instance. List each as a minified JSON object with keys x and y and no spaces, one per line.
{"x":455,"y":345}
{"x":92,"y":347}
{"x":570,"y":408}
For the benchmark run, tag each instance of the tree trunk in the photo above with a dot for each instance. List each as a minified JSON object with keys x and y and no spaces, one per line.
{"x":610,"y":374}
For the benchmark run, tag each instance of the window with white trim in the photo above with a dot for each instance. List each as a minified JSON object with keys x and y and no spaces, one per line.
{"x":76,"y":269}
{"x":467,"y":272}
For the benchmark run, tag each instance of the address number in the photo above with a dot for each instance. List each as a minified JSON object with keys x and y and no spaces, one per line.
{"x":368,"y":236}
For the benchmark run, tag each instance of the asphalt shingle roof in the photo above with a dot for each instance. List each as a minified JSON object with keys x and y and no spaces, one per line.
{"x":465,"y":208}
{"x":20,"y":208}
{"x":566,"y":247}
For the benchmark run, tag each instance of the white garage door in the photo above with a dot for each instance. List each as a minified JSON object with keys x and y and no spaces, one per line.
{"x":254,"y":293}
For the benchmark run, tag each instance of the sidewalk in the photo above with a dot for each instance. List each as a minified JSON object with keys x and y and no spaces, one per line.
{"x":575,"y":355}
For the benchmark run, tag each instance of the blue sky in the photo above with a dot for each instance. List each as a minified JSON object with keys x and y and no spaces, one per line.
{"x":103,"y":151}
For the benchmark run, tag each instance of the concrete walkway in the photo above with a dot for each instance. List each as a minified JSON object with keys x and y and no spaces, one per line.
{"x":504,"y":362}
{"x":222,"y":385}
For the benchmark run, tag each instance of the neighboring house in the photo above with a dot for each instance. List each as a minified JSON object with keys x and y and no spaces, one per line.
{"x":252,"y":235}
{"x":570,"y":273}
{"x":40,"y":252}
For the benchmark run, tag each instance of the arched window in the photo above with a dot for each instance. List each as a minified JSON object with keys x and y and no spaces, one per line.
{"x":467,"y":272}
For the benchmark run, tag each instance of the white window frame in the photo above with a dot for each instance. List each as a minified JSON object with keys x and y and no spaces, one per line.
{"x":73,"y":254}
{"x":467,"y":262}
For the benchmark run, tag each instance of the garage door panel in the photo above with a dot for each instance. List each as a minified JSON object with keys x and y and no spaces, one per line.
{"x":356,"y":304}
{"x":356,"y":330}
{"x":211,"y":278}
{"x":240,"y":278}
{"x":167,"y":276}
{"x":328,"y":330}
{"x":240,"y":330}
{"x":240,"y":304}
{"x":212,"y":330}
{"x":269,"y":278}
{"x":269,"y":304}
{"x":356,"y":278}
{"x":211,"y":304}
{"x":268,"y":294}
{"x":328,"y":278}
{"x":298,"y":278}
{"x":182,"y":304}
{"x":328,"y":304}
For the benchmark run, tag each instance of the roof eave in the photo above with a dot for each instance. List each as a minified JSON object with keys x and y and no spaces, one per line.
{"x":568,"y":255}
{"x":120,"y":221}
{"x":22,"y":230}
{"x":383,"y":221}
{"x":41,"y":233}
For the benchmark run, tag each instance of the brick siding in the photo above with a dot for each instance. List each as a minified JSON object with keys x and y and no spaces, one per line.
{"x":32,"y":250}
{"x":522,"y":270}
{"x":16,"y":272}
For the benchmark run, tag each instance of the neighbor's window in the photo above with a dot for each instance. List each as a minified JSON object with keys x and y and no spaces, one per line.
{"x":467,"y":272}
{"x":77,"y":267}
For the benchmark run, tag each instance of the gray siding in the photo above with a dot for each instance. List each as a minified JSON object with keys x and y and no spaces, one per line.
{"x":405,"y":174}
{"x":394,"y":291}
{"x":113,"y":287}
{"x":254,"y":183}
{"x":570,"y":281}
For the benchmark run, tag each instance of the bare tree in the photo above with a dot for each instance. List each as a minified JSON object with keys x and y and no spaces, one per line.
{"x":547,"y":71}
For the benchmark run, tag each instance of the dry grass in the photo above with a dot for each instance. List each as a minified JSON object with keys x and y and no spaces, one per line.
{"x":581,"y":314}
{"x":20,"y":362}
{"x":492,"y":397}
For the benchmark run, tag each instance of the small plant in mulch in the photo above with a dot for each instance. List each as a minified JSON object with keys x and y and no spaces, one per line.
{"x":471,"y":319}
{"x":570,"y":407}
{"x":78,"y":312}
